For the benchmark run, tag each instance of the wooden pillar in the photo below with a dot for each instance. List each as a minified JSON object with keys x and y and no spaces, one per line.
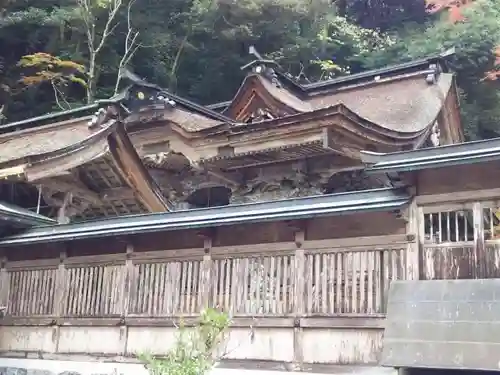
{"x":129,"y":278}
{"x":60,"y":297}
{"x":479,"y":248}
{"x":4,"y":286}
{"x":206,"y":275}
{"x":412,"y":235}
{"x":61,"y":283}
{"x":299,"y":300}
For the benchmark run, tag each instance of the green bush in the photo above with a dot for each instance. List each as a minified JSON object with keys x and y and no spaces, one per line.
{"x":196,"y":349}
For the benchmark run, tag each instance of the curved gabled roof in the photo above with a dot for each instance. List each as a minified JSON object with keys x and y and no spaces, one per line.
{"x":405,"y":105}
{"x":273,"y":95}
{"x":53,"y":150}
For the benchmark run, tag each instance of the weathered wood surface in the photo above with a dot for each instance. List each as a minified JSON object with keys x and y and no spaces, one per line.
{"x":460,"y":240}
{"x":285,"y":299}
{"x":317,"y":278}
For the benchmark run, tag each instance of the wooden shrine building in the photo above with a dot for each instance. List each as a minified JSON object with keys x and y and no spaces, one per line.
{"x":147,"y":150}
{"x":292,"y":207}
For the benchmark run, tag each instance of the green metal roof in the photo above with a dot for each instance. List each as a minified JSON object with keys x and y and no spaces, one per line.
{"x":19,"y":217}
{"x":298,"y":208}
{"x":435,"y":157}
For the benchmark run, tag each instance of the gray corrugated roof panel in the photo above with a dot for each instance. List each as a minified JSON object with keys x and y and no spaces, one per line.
{"x":323,"y":205}
{"x":20,"y":217}
{"x":435,"y":157}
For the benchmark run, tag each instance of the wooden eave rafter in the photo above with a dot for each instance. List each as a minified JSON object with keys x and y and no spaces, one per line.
{"x":113,"y":139}
{"x":58,"y":162}
{"x":293,"y":130}
{"x":135,"y":173}
{"x":336,"y":129}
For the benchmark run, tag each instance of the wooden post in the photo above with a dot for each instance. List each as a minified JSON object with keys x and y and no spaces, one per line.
{"x":127,"y":295}
{"x":206,"y":276}
{"x":412,"y":235}
{"x":479,"y":249}
{"x":128,"y":280}
{"x":61,"y":283}
{"x":59,"y":297}
{"x":4,"y":285}
{"x":299,"y":299}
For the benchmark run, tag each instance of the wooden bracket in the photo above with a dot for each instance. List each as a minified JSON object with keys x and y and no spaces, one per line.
{"x":206,"y":233}
{"x":402,"y":214}
{"x":296,"y":225}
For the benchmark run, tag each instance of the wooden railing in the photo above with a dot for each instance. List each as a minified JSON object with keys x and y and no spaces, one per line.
{"x":460,"y":240}
{"x":246,"y":281}
{"x":352,"y":282}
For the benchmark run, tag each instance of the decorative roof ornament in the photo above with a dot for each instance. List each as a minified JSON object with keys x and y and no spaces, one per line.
{"x":266,"y":68}
{"x":103,"y":116}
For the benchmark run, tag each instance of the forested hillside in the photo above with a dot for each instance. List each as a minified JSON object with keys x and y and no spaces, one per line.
{"x":60,"y":54}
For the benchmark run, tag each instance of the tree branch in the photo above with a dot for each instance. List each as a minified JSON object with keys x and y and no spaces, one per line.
{"x":114,"y":7}
{"x":57,"y":92}
{"x":131,"y":46}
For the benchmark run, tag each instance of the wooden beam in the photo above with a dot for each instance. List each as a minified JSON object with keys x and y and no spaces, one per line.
{"x":77,"y":188}
{"x":117,"y":194}
{"x":235,"y":180}
{"x":337,"y":143}
{"x":16,"y":173}
{"x":459,"y":196}
{"x":360,"y":321}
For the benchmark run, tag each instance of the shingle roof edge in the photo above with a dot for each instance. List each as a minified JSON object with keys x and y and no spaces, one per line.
{"x":297,"y":208}
{"x":435,"y":157}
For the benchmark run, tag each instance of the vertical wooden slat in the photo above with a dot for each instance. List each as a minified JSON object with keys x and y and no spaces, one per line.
{"x":162,"y":290}
{"x":363,"y":273}
{"x":189,"y":287}
{"x":247,"y":295}
{"x":168,"y":289}
{"x":370,"y":282}
{"x":331,"y":283}
{"x":226,"y":284}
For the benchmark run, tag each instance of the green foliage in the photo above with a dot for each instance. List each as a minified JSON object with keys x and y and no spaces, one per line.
{"x":474,"y":41}
{"x":48,"y":68}
{"x":382,"y":15}
{"x":196,"y":47}
{"x":195,"y":350}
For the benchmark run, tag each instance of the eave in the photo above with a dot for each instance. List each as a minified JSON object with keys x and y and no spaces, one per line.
{"x":22,"y":218}
{"x":299,"y":208}
{"x":49,"y":118}
{"x":255,"y":87}
{"x":436,"y":157}
{"x":332,"y":129}
{"x":111,"y":140}
{"x":329,"y":128}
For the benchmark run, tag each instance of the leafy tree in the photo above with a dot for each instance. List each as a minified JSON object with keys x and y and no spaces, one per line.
{"x":475,"y":40}
{"x":59,"y":74}
{"x":383,"y":15}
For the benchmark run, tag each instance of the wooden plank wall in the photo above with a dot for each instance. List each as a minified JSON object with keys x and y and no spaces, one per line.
{"x":288,"y":279}
{"x":460,"y":240}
